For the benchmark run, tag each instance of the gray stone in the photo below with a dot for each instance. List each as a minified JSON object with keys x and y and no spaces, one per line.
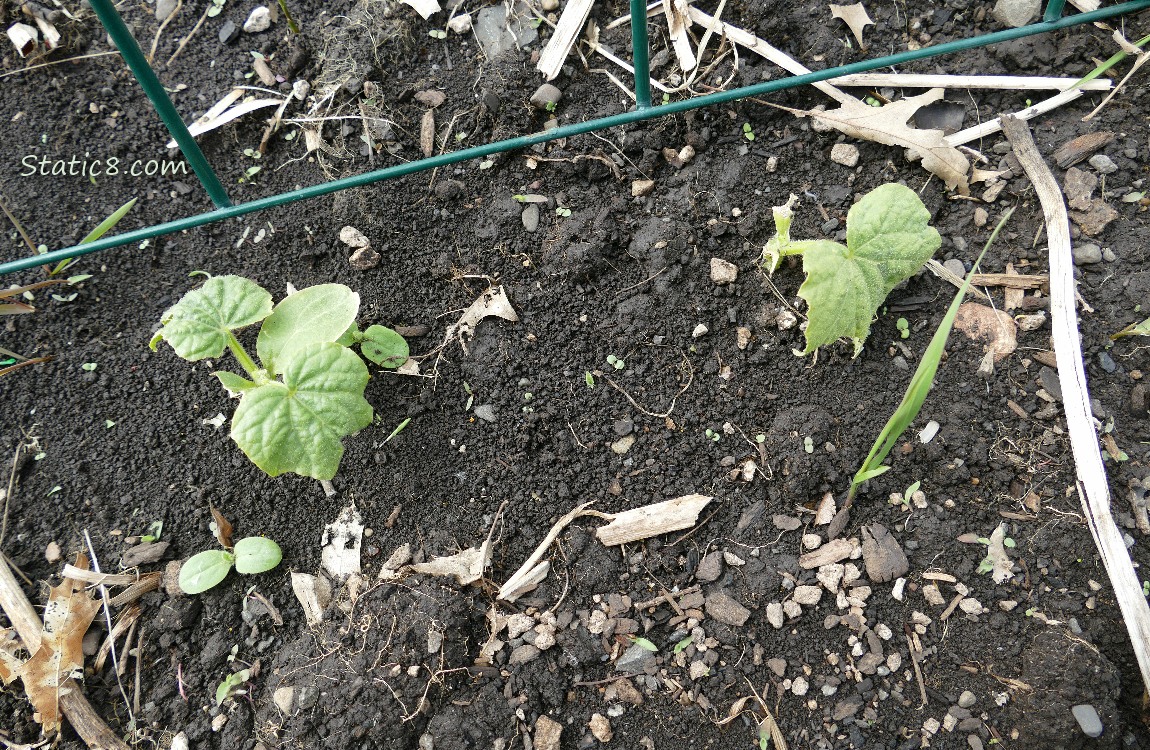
{"x":1087,"y":254}
{"x":1048,"y":378}
{"x":1087,"y":718}
{"x":710,"y":568}
{"x":847,"y":707}
{"x":491,"y":29}
{"x":259,"y":20}
{"x":808,"y":595}
{"x":165,"y":8}
{"x":486,"y":412}
{"x":1109,"y":255}
{"x":1016,"y":13}
{"x":623,"y":444}
{"x":775,"y":615}
{"x":846,"y":154}
{"x":531,"y":217}
{"x":726,"y":610}
{"x":364,"y":258}
{"x":524,"y":654}
{"x":623,"y":427}
{"x":1103,"y":163}
{"x":546,"y":97}
{"x":966,"y":699}
{"x":723,"y":271}
{"x":635,"y":659}
{"x":882,"y":554}
{"x":954,"y":265}
{"x":229,"y":32}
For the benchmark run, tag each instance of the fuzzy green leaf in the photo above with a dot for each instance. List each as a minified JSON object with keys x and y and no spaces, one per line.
{"x":310,"y":316}
{"x":889,"y":238}
{"x":297,"y":425}
{"x":384,"y":347}
{"x":234,"y":384}
{"x":231,"y":684}
{"x":204,"y":570}
{"x":256,"y":554}
{"x":198,"y":325}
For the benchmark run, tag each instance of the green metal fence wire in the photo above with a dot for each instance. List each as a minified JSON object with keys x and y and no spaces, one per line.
{"x":643,"y":111}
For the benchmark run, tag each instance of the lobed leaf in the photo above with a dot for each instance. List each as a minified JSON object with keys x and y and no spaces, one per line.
{"x":889,"y":238}
{"x":314,"y":315}
{"x":198,"y":326}
{"x":297,"y":425}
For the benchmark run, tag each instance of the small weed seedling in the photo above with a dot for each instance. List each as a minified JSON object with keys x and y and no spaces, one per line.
{"x":903,"y":327}
{"x":713,"y":436}
{"x":306,"y":394}
{"x":889,"y":238}
{"x":616,"y":362}
{"x":920,"y":382}
{"x":589,"y":379}
{"x":203,"y":570}
{"x":748,"y":133}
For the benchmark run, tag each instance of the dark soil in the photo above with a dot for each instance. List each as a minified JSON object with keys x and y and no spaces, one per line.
{"x":126,"y":444}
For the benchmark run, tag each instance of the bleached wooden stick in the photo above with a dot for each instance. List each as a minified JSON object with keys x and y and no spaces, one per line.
{"x":943,"y":81}
{"x":1092,"y":487}
{"x":566,"y":32}
{"x":652,"y":520}
{"x":528,"y":575}
{"x":993,"y":126}
{"x":678,"y":22}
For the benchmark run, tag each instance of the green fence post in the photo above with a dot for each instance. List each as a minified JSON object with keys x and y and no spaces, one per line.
{"x":143,"y":72}
{"x":1053,"y":10}
{"x":641,"y":54}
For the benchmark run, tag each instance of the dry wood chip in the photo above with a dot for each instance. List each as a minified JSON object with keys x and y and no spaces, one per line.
{"x":1074,"y":151}
{"x":831,"y":552}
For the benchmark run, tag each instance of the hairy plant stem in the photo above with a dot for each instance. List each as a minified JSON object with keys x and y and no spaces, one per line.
{"x":250,"y":367}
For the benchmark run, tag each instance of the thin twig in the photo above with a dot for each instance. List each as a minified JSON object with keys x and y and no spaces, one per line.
{"x":57,"y":62}
{"x":108,"y":622}
{"x":671,"y":408}
{"x":188,"y":38}
{"x":164,"y":25}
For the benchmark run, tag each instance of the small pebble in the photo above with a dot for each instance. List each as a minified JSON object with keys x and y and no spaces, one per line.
{"x":1087,"y":716}
{"x":1103,"y":163}
{"x":980,"y":217}
{"x":954,"y":265}
{"x":229,"y":32}
{"x":531,"y":217}
{"x":700,"y":330}
{"x":723,"y":271}
{"x":966,"y":699}
{"x":845,"y":153}
{"x":546,"y":95}
{"x":1087,"y":254}
{"x":259,"y":20}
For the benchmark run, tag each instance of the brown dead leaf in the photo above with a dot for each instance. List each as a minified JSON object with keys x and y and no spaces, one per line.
{"x":9,"y":661}
{"x":854,"y":16}
{"x":887,"y":125}
{"x":60,"y":656}
{"x":222,"y":528}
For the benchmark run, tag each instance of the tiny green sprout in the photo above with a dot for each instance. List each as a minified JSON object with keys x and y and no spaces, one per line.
{"x":109,"y":424}
{"x":616,"y":362}
{"x":1030,"y":612}
{"x":681,"y":645}
{"x":712,"y":435}
{"x":563,"y":211}
{"x":155,"y":531}
{"x":231,"y":685}
{"x":251,"y":153}
{"x":761,"y":438}
{"x":88,"y":366}
{"x":291,"y":135}
{"x":550,"y":106}
{"x":397,"y":430}
{"x":460,"y":136}
{"x":251,"y":555}
{"x":666,"y":98}
{"x":53,"y":491}
{"x":1145,"y":589}
{"x":536,"y":23}
{"x":437,"y":34}
{"x":809,"y":444}
{"x":40,"y":456}
{"x":215,"y":8}
{"x":528,"y":396}
{"x":589,"y":379}
{"x":903,"y":327}
{"x":764,"y":738}
{"x":486,"y":164}
{"x":872,"y":102}
{"x":645,"y":644}
{"x":748,"y":133}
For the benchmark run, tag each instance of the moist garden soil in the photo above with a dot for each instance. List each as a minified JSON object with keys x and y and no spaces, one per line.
{"x":514,"y":421}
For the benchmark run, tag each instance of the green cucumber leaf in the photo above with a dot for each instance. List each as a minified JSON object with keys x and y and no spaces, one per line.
{"x":314,"y":315}
{"x":889,"y":238}
{"x":198,"y":325}
{"x":234,"y":384}
{"x":350,"y":336}
{"x":384,"y":347}
{"x":204,"y":570}
{"x":256,"y":554}
{"x":297,"y":425}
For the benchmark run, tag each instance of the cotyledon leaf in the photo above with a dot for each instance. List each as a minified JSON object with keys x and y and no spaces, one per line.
{"x":297,"y":424}
{"x":889,"y":238}
{"x":198,"y":325}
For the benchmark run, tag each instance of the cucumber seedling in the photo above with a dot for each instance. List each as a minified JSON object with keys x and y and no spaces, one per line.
{"x":251,"y":555}
{"x":889,"y":238}
{"x":306,"y":393}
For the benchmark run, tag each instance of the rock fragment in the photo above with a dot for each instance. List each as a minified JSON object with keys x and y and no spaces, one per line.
{"x":547,"y":733}
{"x":882,"y":554}
{"x":259,"y":20}
{"x":726,"y":610}
{"x":546,"y":97}
{"x":723,"y":271}
{"x":601,"y":728}
{"x":846,"y":154}
{"x":833,"y":551}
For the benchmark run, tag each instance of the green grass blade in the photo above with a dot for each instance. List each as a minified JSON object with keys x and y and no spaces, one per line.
{"x":921,"y":382}
{"x":1116,"y":58}
{"x":101,"y":229}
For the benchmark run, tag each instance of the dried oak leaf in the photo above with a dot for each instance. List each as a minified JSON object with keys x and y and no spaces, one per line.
{"x":854,"y":16}
{"x":60,"y":656}
{"x":887,"y":125}
{"x":9,"y":660}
